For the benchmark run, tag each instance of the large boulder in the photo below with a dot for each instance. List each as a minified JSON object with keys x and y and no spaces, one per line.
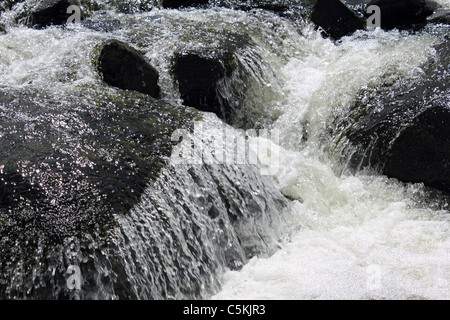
{"x":421,"y":153}
{"x":69,"y":168}
{"x":403,"y":14}
{"x":211,"y":78}
{"x":86,"y":181}
{"x":124,"y":67}
{"x":403,"y":129}
{"x":68,"y":156}
{"x":50,"y":13}
{"x":335,"y":18}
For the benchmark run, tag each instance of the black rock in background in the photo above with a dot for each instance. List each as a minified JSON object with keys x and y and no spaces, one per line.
{"x":335,"y":18}
{"x":2,"y":29}
{"x":227,"y":76}
{"x":198,"y":74}
{"x":402,"y":129}
{"x":403,"y":14}
{"x":50,"y":13}
{"x":124,"y":67}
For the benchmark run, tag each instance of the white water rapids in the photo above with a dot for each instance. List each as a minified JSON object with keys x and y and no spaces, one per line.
{"x":360,"y":236}
{"x":347,"y":236}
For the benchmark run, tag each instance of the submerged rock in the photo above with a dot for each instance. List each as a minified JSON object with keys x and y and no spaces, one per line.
{"x":403,"y":129}
{"x":51,"y":12}
{"x":102,"y":25}
{"x":133,"y":6}
{"x":124,"y":67}
{"x":335,"y":18}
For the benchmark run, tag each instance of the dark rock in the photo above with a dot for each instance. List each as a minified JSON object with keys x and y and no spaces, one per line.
{"x":402,"y":129}
{"x":421,"y":153}
{"x":176,"y":4}
{"x":403,"y":14}
{"x":113,"y":160}
{"x":335,"y":18}
{"x":50,"y":13}
{"x":227,"y":78}
{"x":124,"y":67}
{"x":2,"y":29}
{"x":72,"y":176}
{"x":68,"y":168}
{"x":198,"y":75}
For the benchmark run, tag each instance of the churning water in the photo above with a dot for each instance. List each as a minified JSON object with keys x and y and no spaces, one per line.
{"x":353,"y":236}
{"x":342,"y":235}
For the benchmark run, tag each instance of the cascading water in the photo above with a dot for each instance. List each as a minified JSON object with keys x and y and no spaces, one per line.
{"x":311,"y":229}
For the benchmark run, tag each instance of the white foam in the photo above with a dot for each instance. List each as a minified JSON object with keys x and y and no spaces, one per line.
{"x":352,"y":237}
{"x":364,"y":240}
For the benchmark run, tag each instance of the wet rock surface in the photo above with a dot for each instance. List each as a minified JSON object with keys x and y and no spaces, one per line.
{"x":402,"y":129}
{"x":48,"y":13}
{"x":335,"y":18}
{"x":124,"y":67}
{"x":66,"y":168}
{"x":198,"y":74}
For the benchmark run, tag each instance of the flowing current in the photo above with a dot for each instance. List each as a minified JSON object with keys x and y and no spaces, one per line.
{"x":341,"y":235}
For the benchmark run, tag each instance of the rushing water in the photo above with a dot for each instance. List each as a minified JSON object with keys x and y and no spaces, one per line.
{"x":343,"y":235}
